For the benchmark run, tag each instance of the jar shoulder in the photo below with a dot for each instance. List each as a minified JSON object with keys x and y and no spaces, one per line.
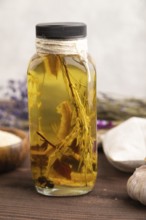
{"x":37,"y":59}
{"x":91,"y":63}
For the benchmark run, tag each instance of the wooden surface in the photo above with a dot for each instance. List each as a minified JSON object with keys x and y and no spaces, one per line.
{"x":109,"y":199}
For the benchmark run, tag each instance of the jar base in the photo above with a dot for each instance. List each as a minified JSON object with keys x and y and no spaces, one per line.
{"x":63,"y":191}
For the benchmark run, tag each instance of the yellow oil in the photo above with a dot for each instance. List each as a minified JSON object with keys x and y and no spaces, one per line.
{"x":62,"y":119}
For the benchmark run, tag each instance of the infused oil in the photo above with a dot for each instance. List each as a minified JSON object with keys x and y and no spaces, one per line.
{"x":62,"y":119}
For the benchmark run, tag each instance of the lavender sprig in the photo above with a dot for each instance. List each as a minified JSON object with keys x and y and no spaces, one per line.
{"x":103,"y":124}
{"x":14,"y":111}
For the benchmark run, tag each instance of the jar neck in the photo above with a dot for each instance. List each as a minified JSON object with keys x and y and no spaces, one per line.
{"x":53,"y":46}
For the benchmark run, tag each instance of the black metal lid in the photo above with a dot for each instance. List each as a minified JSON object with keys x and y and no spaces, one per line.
{"x":61,"y":30}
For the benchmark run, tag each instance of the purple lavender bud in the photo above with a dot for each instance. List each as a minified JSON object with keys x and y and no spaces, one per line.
{"x":103,"y":124}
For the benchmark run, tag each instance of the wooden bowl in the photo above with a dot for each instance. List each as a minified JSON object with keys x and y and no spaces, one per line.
{"x":12,"y":156}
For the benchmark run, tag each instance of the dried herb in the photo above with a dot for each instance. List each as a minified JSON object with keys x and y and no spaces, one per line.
{"x":74,"y":146}
{"x":72,"y":161}
{"x":54,"y":64}
{"x":13,"y":104}
{"x":40,"y":161}
{"x":117,"y":108}
{"x":62,"y":168}
{"x":84,"y":138}
{"x":45,"y":140}
{"x":74,"y":150}
{"x":66,"y":114}
{"x":44,"y":182}
{"x":44,"y":145}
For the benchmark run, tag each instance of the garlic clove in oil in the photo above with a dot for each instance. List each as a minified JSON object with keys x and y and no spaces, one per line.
{"x":136,"y":185}
{"x":125,"y":145}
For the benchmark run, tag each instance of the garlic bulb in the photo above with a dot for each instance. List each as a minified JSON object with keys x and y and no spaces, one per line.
{"x":125,"y":145}
{"x":136,"y":185}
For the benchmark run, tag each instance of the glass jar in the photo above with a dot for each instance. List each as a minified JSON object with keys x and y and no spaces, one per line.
{"x":62,"y":111}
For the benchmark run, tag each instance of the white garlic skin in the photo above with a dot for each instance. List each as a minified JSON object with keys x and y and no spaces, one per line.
{"x":125,"y":144}
{"x":136,"y":185}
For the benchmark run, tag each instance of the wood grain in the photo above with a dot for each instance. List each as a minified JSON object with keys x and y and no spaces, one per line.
{"x":108,"y":200}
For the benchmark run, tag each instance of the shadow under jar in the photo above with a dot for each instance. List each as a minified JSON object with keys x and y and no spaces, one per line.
{"x":62,"y":111}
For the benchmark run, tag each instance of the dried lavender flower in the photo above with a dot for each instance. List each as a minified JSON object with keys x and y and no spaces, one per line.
{"x":13,"y":110}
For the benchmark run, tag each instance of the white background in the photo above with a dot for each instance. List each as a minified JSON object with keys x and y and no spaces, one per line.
{"x":116,"y":38}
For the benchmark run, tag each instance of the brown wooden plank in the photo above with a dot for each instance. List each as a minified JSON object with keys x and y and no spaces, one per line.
{"x":108,"y":200}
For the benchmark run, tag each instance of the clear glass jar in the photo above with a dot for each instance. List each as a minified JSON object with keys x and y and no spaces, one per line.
{"x":62,"y":111}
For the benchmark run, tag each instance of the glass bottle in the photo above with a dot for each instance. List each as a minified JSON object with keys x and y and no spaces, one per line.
{"x":62,"y":111}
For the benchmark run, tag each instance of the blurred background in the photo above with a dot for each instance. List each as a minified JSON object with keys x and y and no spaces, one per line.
{"x":116,"y":38}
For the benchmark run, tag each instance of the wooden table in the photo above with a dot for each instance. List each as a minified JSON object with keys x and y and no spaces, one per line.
{"x":109,"y":199}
